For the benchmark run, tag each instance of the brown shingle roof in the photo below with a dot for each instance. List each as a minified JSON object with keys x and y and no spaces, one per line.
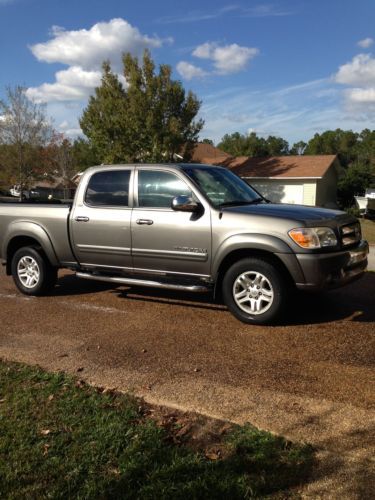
{"x":282,"y":166}
{"x":206,"y":153}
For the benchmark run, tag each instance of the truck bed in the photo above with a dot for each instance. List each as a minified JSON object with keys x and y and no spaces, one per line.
{"x":52,"y":218}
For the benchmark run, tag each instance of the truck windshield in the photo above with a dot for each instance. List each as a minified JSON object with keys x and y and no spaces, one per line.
{"x":222,"y":187}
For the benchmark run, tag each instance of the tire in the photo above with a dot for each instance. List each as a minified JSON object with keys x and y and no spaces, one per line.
{"x":32,"y":273}
{"x":255,"y":291}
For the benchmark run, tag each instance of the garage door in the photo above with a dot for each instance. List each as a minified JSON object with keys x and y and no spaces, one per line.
{"x":279,"y":192}
{"x":293,"y":194}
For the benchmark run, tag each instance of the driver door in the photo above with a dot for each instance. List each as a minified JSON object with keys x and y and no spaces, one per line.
{"x":163,"y":239}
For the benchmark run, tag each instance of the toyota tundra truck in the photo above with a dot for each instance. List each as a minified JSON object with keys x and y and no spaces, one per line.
{"x":183,"y":227}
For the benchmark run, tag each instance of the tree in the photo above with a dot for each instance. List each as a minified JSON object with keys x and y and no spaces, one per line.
{"x":24,"y":131}
{"x":277,"y":146}
{"x":358,"y":176}
{"x":237,"y":144}
{"x":298,"y":148}
{"x":332,"y":142}
{"x":149,"y":120}
{"x":84,"y":154}
{"x":207,"y":141}
{"x":59,"y":161}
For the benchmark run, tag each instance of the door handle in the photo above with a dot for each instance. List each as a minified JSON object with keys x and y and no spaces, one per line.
{"x":147,"y":222}
{"x":81,"y":218}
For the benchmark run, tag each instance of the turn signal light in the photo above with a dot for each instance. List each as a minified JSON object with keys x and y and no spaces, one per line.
{"x":305,"y":238}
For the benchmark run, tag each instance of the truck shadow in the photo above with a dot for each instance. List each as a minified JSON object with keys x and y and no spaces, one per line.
{"x":354,"y":302}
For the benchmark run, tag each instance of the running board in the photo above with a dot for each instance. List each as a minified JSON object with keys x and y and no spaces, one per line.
{"x":137,"y":282}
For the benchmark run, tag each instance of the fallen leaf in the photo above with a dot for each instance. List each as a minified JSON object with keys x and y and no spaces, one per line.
{"x":50,"y":397}
{"x":45,"y":432}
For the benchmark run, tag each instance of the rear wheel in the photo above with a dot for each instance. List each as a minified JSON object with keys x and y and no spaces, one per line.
{"x":31,"y":271}
{"x":255,"y":291}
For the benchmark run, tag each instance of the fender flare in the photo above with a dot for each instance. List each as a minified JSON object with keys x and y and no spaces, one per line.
{"x":249,"y":241}
{"x":30,"y":230}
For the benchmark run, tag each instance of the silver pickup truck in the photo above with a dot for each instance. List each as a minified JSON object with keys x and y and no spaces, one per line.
{"x":182,"y":227}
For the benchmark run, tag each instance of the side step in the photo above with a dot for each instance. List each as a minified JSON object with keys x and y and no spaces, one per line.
{"x":148,"y":283}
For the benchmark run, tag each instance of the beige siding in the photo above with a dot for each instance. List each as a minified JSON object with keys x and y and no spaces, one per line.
{"x":327,"y":189}
{"x":309,"y":193}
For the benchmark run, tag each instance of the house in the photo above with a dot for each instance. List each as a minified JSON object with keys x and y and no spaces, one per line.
{"x":305,"y":180}
{"x":56,"y":187}
{"x":206,"y":153}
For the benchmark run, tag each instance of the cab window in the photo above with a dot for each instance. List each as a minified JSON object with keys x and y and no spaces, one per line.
{"x":108,"y":188}
{"x":156,"y":189}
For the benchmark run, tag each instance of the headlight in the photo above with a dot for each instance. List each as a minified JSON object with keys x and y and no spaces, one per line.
{"x":313,"y":237}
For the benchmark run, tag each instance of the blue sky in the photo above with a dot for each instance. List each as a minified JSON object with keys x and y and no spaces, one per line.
{"x":288,"y":68}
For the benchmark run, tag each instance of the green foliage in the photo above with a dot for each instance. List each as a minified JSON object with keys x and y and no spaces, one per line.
{"x":61,"y":440}
{"x":84,"y":155}
{"x":237,"y":144}
{"x":298,"y":148}
{"x":357,"y":177}
{"x":332,"y":142}
{"x":148,"y":121}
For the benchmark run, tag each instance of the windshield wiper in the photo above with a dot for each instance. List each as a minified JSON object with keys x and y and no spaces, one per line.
{"x":238,"y":203}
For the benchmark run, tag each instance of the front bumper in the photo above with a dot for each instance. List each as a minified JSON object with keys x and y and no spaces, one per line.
{"x":331,"y":270}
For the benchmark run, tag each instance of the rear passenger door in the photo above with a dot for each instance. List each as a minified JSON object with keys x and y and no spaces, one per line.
{"x":163,"y":239}
{"x":100,"y":222}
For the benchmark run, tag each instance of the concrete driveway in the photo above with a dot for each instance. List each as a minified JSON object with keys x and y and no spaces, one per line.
{"x":308,"y":379}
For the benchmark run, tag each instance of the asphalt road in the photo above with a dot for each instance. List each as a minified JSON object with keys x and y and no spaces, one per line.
{"x":308,"y":379}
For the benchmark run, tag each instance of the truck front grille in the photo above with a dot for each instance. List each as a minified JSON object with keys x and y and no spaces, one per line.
{"x":350,"y":234}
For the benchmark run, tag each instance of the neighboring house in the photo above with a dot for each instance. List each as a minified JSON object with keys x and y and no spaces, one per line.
{"x":55,"y":187}
{"x":305,"y":180}
{"x":205,"y":153}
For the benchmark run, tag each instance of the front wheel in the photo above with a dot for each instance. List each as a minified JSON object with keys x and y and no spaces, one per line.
{"x":32,"y":273}
{"x":254,"y":291}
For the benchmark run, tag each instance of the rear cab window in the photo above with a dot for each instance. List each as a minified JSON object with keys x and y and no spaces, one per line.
{"x":108,"y":188}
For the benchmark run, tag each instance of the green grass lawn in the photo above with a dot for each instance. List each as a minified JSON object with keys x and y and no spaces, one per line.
{"x":63,"y":439}
{"x":368,"y":230}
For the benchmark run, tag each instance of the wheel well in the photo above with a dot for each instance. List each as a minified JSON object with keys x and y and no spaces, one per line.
{"x":15,"y":244}
{"x":237,"y":255}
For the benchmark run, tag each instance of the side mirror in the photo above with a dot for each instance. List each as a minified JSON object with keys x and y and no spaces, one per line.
{"x":184,"y":203}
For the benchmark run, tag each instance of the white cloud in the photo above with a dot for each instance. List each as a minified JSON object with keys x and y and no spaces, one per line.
{"x":361,"y":96}
{"x":69,"y":130}
{"x":190,"y":71}
{"x":360,"y":71}
{"x":84,"y":51}
{"x":71,"y":84}
{"x":366,"y":43}
{"x":226,"y":58}
{"x":263,"y":10}
{"x":360,"y":75}
{"x":88,"y":48}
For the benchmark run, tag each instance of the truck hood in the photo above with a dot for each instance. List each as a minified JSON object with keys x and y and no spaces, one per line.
{"x":299,"y":213}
